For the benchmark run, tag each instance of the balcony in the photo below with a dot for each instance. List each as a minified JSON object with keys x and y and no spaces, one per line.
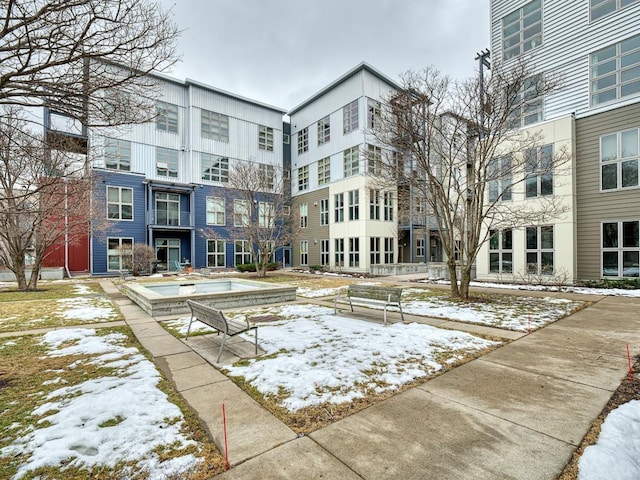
{"x":170,"y":219}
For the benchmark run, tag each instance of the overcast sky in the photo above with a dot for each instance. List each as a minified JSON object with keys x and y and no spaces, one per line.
{"x":281,"y":52}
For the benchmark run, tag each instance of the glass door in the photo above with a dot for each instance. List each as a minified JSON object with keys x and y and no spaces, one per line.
{"x":168,"y":254}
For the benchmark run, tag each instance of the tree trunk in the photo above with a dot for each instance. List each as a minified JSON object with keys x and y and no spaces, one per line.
{"x":453,"y":276}
{"x":465,"y":281}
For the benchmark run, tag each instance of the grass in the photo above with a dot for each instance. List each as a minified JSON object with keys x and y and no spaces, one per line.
{"x":45,"y":291}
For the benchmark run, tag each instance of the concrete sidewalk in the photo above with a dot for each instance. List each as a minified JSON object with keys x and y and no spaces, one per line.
{"x":518,"y":412}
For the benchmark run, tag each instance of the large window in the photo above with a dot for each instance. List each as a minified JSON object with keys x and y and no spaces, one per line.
{"x":167,"y":117}
{"x":167,"y":208}
{"x":266,"y":214}
{"x":354,"y":205}
{"x":267,"y":175}
{"x":216,"y":253}
{"x":615,"y":71}
{"x":303,"y":140}
{"x":374,"y":112}
{"x":303,"y":178}
{"x":539,"y":171}
{"x":600,"y":8}
{"x":324,"y":252}
{"x":242,"y":252}
{"x":166,"y":162}
{"x":117,"y":154}
{"x":528,"y":105}
{"x":339,"y":252}
{"x":419,"y":247}
{"x":539,"y":251}
{"x":338,"y":207}
{"x":265,"y":138}
{"x":351,"y":161}
{"x":324,"y":130}
{"x":215,"y":211}
{"x":388,"y":206}
{"x":214,"y":168}
{"x":304,"y":252}
{"x":374,"y":204}
{"x":119,"y":253}
{"x":241,"y":212}
{"x":350,"y":117}
{"x":324,"y":171}
{"x":522,"y":30}
{"x":501,"y":251}
{"x":621,"y":249}
{"x":324,"y":211}
{"x":304,"y":215}
{"x":389,"y":256}
{"x":619,"y":160}
{"x":374,"y":250}
{"x":374,"y":159}
{"x":354,"y":252}
{"x":214,"y":126}
{"x":119,"y":203}
{"x":500,"y":179}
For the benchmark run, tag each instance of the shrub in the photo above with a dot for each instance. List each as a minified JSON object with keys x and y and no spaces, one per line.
{"x":316,"y":268}
{"x":142,"y":260}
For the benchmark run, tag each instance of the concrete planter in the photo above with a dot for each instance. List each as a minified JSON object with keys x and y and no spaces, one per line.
{"x":48,"y":273}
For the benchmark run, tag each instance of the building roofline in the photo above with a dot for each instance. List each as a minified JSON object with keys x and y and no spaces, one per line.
{"x":361,"y":66}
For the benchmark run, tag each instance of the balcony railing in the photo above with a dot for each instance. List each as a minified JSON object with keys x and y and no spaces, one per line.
{"x":170,"y":219}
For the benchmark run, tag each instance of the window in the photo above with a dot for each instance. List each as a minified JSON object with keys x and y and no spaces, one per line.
{"x":215,"y":211}
{"x":351,"y":161}
{"x":266,"y":214}
{"x":267,"y":174}
{"x":324,"y":171}
{"x":522,"y":30}
{"x":354,"y":205}
{"x":119,"y":203}
{"x":539,"y":171}
{"x":388,"y":206}
{"x":354,"y":252}
{"x":242,"y":252}
{"x":619,"y":160}
{"x":214,"y":168}
{"x":528,"y":105}
{"x":119,"y":253}
{"x":167,"y":208}
{"x":499,"y":176}
{"x":419,"y":247}
{"x":286,"y":138}
{"x":216,"y":255}
{"x":374,"y":204}
{"x":539,"y":250}
{"x":324,"y":131}
{"x":350,"y":117}
{"x":303,"y":178}
{"x":241,"y":212}
{"x":501,"y":251}
{"x":324,"y":252}
{"x":117,"y":154}
{"x":374,"y":159}
{"x":339,"y":252}
{"x":214,"y":126}
{"x":304,"y":252}
{"x":265,"y":138}
{"x":374,"y":112}
{"x":600,"y":8}
{"x":304,"y":215}
{"x":389,"y":256}
{"x":167,"y":117}
{"x":374,"y":249}
{"x":303,"y":140}
{"x":338,"y":207}
{"x":166,"y":162}
{"x":621,"y":249}
{"x":615,"y":71}
{"x":324,"y":211}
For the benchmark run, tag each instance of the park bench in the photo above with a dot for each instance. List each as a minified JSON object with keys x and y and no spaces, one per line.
{"x":373,"y":295}
{"x":216,"y":320}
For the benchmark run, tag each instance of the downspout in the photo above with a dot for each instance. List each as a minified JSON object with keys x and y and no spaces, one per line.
{"x":66,"y":229}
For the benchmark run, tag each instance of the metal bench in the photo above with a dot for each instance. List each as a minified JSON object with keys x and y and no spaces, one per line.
{"x":216,"y":320}
{"x":373,"y":295}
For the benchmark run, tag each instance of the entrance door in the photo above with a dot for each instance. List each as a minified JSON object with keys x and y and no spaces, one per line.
{"x":168,"y":254}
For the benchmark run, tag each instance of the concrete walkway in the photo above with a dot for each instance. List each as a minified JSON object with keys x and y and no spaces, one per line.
{"x":518,"y":412}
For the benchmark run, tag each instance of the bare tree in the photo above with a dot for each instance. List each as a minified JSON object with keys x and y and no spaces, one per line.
{"x":467,"y":155}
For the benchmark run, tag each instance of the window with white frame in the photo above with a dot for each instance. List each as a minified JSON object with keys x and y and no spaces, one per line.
{"x":539,"y":171}
{"x":615,"y":71}
{"x":265,"y":138}
{"x":324,"y":252}
{"x":501,"y":251}
{"x":215,"y":211}
{"x":216,"y":254}
{"x":303,"y":140}
{"x":374,"y":159}
{"x":324,"y":131}
{"x":117,"y":154}
{"x":304,"y":252}
{"x":500,"y":179}
{"x":601,"y":8}
{"x":286,"y":138}
{"x":266,"y":214}
{"x":324,"y":171}
{"x":241,"y":212}
{"x":374,"y":204}
{"x":528,"y":104}
{"x":351,"y":158}
{"x":214,"y":168}
{"x":119,"y":253}
{"x":119,"y":203}
{"x":167,"y":117}
{"x":389,"y":256}
{"x":539,"y":250}
{"x":350,"y":117}
{"x":522,"y":30}
{"x":374,"y":112}
{"x":303,"y":178}
{"x":621,"y":248}
{"x":419,"y":247}
{"x":339,"y":252}
{"x":267,"y":175}
{"x":167,"y":208}
{"x":338,"y":207}
{"x":619,"y":160}
{"x":354,"y":204}
{"x":324,"y":211}
{"x":354,"y":252}
{"x":374,"y":250}
{"x":166,"y":162}
{"x":214,"y":126}
{"x":388,"y":206}
{"x":304,"y":215}
{"x":241,"y":252}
